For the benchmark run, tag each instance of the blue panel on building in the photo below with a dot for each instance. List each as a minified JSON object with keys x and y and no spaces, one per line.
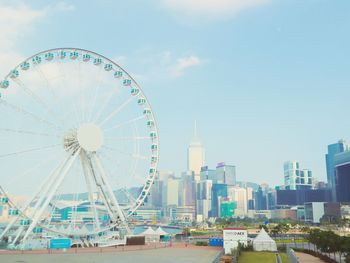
{"x":60,"y":243}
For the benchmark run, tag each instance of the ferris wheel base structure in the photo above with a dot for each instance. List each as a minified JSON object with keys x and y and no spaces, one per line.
{"x":95,"y":123}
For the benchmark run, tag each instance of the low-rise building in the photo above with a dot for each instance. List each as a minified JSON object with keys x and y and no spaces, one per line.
{"x":314,"y":211}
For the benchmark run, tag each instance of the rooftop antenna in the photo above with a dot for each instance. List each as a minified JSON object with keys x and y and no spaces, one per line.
{"x":195,"y":128}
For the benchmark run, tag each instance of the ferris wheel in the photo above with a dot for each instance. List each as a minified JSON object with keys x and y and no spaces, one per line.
{"x":79,"y":146}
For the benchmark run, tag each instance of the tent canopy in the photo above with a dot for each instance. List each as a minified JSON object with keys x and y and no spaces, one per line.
{"x":149,"y":231}
{"x":263,"y":242}
{"x":161,"y":232}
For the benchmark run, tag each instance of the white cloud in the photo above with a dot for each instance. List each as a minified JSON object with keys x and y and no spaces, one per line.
{"x":183,"y":64}
{"x":63,"y":6}
{"x":158,"y":65}
{"x":211,"y":8}
{"x":17,"y":21}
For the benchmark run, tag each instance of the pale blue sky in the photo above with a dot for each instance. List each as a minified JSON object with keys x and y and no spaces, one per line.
{"x":266,"y":80}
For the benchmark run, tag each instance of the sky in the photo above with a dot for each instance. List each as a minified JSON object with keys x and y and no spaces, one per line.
{"x":266,"y":80}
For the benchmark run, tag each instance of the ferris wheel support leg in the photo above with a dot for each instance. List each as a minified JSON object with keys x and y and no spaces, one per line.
{"x":20,"y":231}
{"x":53,"y":190}
{"x":9,"y":226}
{"x":88,"y":178}
{"x":100,"y":187}
{"x":110,"y":192}
{"x":43,"y":189}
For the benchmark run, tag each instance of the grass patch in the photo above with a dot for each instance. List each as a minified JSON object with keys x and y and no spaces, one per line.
{"x":250,"y":257}
{"x":284,"y":258}
{"x":288,"y":241}
{"x":263,"y":257}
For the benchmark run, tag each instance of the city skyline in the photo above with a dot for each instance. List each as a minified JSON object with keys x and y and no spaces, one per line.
{"x":261,"y":79}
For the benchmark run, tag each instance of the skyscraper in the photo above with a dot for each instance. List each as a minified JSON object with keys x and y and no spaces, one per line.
{"x":239,"y":196}
{"x":342,"y":176}
{"x":226,"y":174}
{"x":296,"y":178}
{"x":195,"y":155}
{"x":333,"y":149}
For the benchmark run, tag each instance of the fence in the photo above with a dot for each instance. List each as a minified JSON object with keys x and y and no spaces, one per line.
{"x":292,"y":257}
{"x":218,"y":257}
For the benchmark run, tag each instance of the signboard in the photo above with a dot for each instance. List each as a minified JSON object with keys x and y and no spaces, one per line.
{"x":236,"y":234}
{"x":233,"y":236}
{"x":60,"y":243}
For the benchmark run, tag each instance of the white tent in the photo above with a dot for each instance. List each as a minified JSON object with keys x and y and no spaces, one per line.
{"x":263,"y":242}
{"x":151,"y":235}
{"x":161,"y":232}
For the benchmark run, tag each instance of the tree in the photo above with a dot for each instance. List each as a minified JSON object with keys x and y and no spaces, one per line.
{"x":314,"y":237}
{"x":264,"y":227}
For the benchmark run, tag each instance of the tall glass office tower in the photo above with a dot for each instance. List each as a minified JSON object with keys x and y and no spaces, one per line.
{"x":334,"y":149}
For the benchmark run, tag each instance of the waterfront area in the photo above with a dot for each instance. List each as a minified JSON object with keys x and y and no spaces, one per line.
{"x":174,"y":254}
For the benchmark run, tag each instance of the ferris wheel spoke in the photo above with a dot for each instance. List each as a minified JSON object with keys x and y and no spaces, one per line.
{"x":128,"y":138}
{"x":61,"y":175}
{"x":38,"y":100}
{"x":73,"y":102}
{"x":47,"y":83}
{"x":115,"y":112}
{"x":17,"y":179}
{"x":126,"y":123}
{"x":133,"y":155}
{"x":97,"y":88}
{"x":82,"y":97}
{"x":104,"y":104}
{"x":29,"y":150}
{"x":30,"y":114}
{"x":128,"y":195}
{"x":37,"y":197}
{"x":27,"y":132}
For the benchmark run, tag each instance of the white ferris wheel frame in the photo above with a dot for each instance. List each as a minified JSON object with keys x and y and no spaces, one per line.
{"x":92,"y":166}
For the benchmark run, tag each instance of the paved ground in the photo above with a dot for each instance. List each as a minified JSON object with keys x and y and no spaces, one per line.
{"x":306,"y":258}
{"x":168,"y":255}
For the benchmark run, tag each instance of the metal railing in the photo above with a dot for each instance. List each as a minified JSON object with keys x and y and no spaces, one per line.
{"x":291,"y":255}
{"x":218,"y":257}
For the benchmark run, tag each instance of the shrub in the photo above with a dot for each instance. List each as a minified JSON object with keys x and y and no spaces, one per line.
{"x":201,"y":243}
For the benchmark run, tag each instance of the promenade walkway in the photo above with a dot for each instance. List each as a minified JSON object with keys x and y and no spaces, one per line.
{"x":174,"y":254}
{"x":306,"y":258}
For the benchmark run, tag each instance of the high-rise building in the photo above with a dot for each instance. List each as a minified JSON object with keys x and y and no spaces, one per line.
{"x":239,"y":196}
{"x":333,"y":149}
{"x":260,"y":199}
{"x":301,"y":196}
{"x":171,"y":192}
{"x":219,"y":191}
{"x":223,"y":174}
{"x":296,"y":178}
{"x":226,"y":174}
{"x":187,"y":190}
{"x":204,"y":196}
{"x":207,"y":174}
{"x":342,"y":176}
{"x":195,"y":155}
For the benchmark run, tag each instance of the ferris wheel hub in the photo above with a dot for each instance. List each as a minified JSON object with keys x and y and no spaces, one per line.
{"x":90,"y":137}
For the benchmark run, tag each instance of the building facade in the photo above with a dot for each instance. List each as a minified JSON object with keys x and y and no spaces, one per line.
{"x":295,"y":177}
{"x":342,"y":176}
{"x":333,"y":149}
{"x":195,"y":155}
